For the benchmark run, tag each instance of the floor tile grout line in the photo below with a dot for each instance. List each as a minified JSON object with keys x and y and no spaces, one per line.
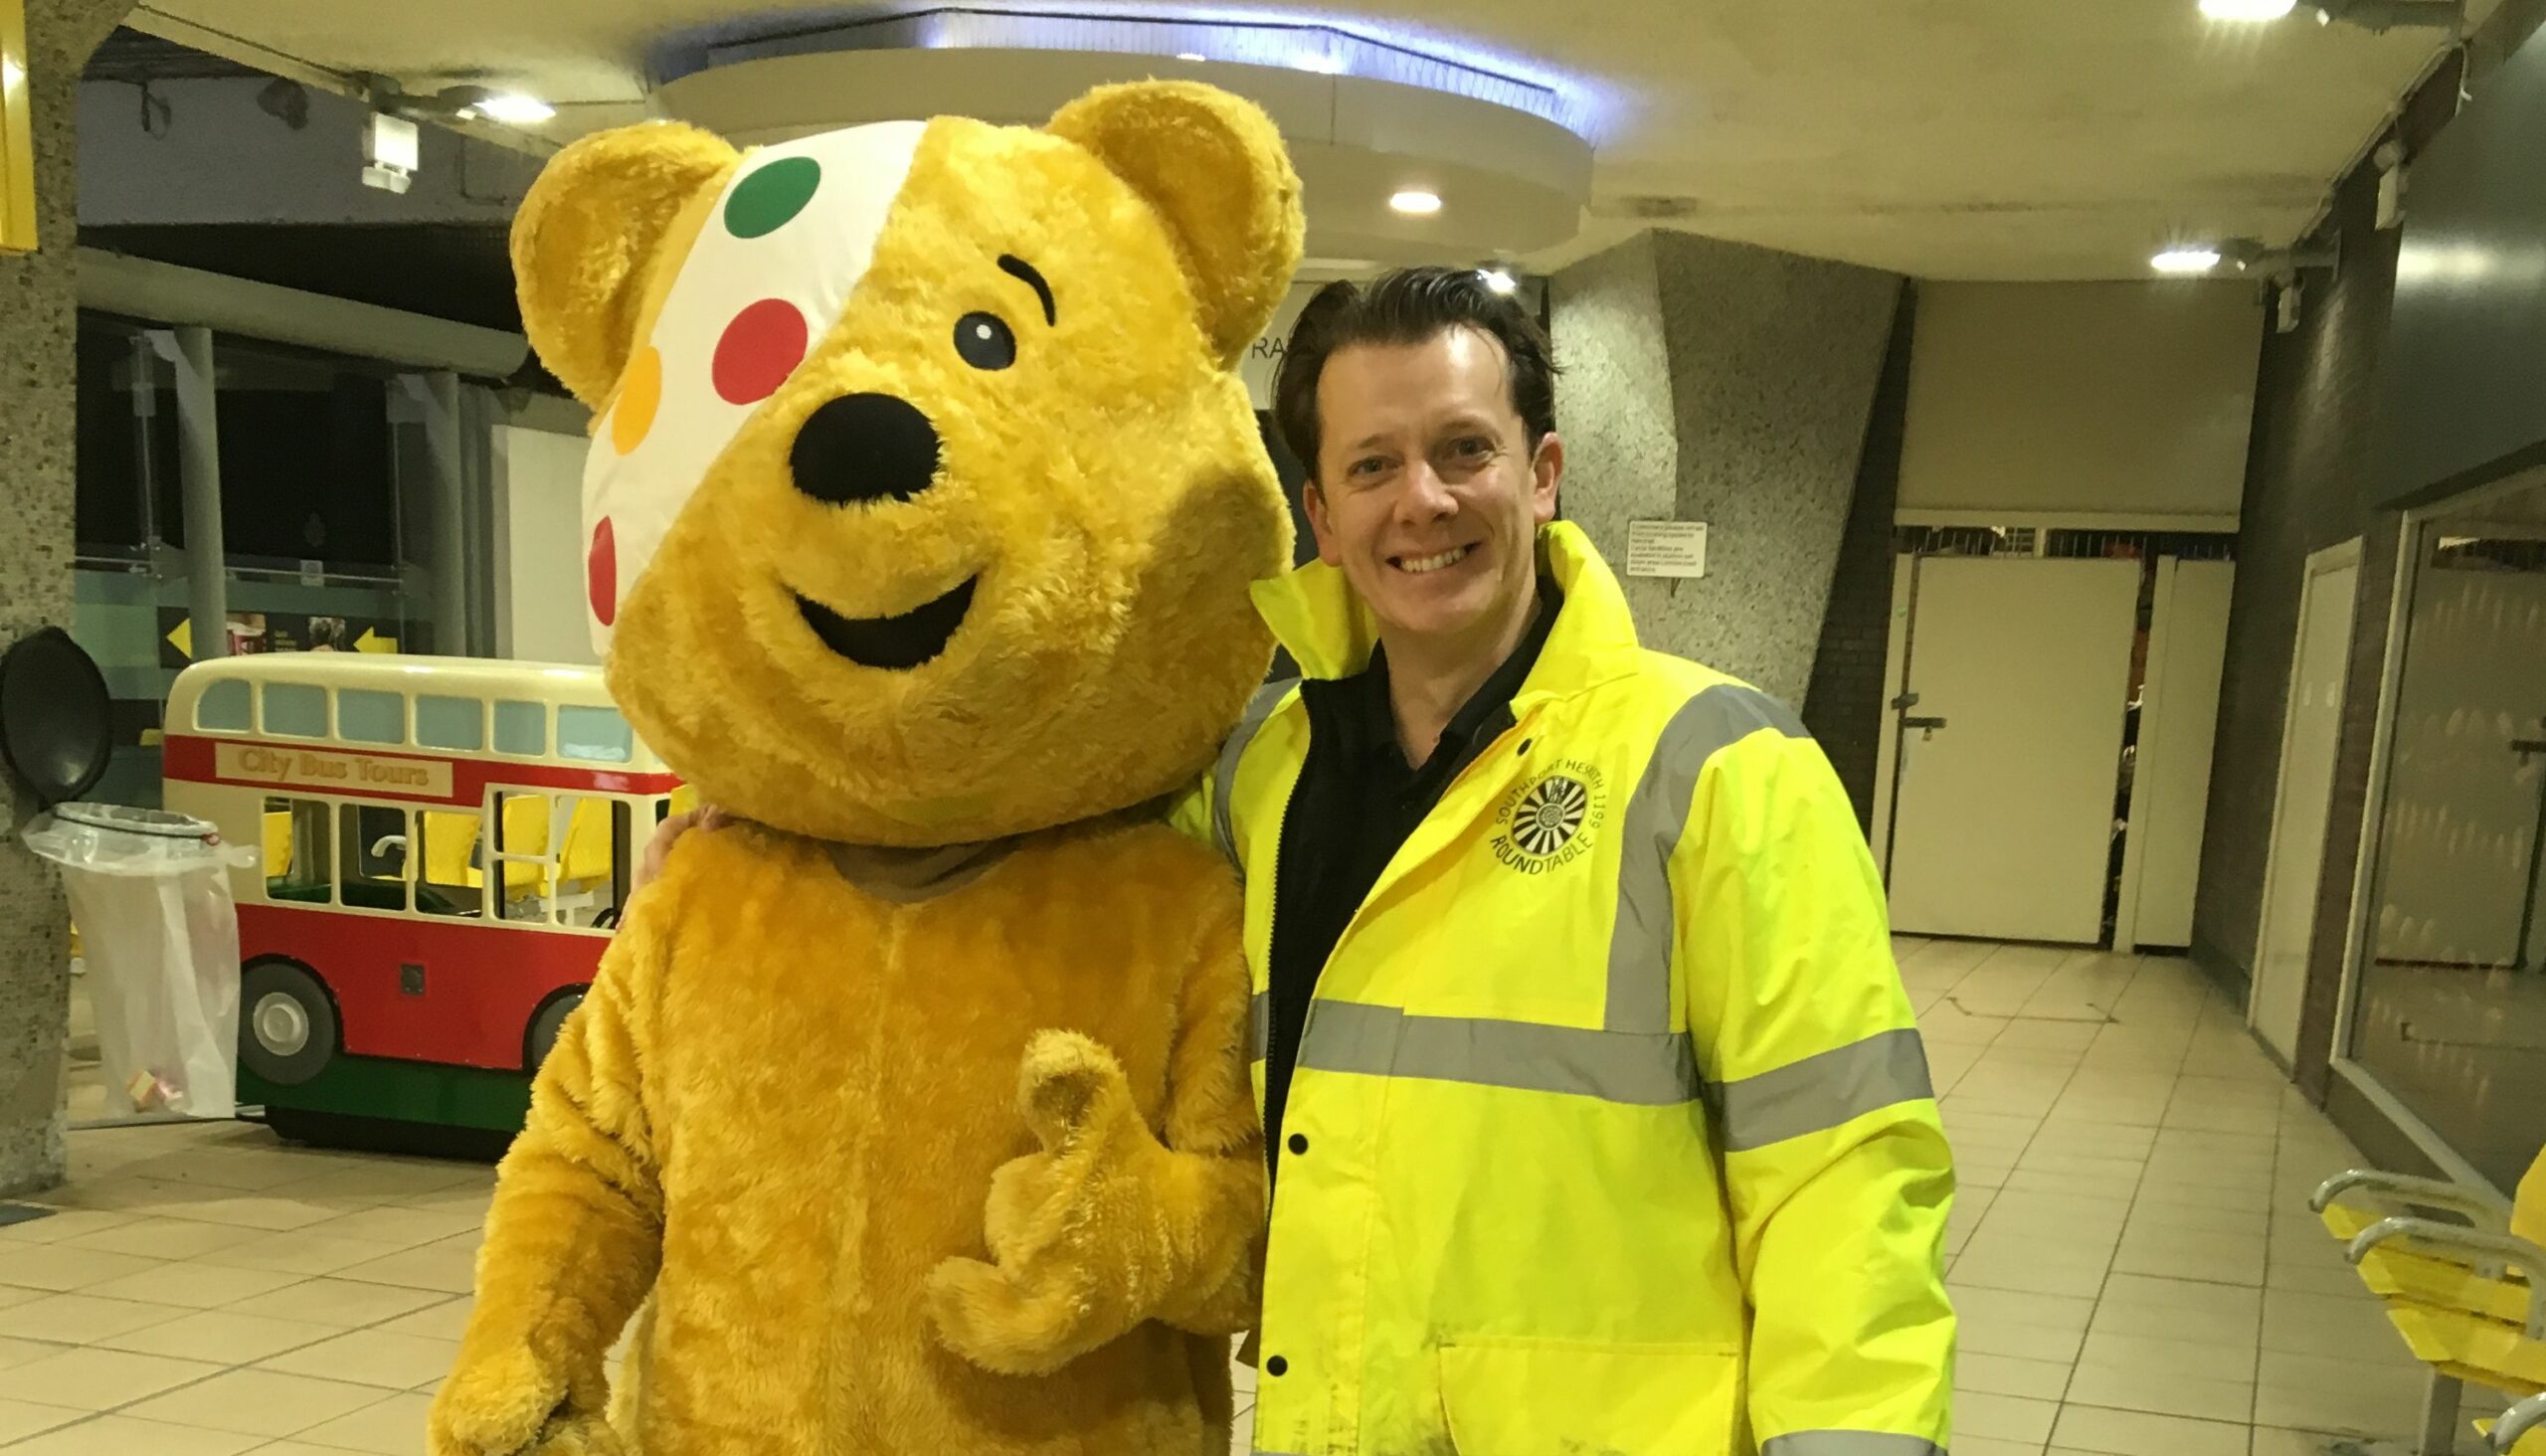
{"x":232,"y":1369}
{"x":2015,"y":1165}
{"x":2105,"y":1287}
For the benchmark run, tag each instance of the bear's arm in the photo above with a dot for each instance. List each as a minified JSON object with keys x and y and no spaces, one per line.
{"x":1213,"y":1121}
{"x":1126,"y":1215}
{"x":575,"y":1233}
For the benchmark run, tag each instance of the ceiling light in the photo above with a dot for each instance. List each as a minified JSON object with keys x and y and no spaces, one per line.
{"x":1415,"y":203}
{"x":512,"y":108}
{"x":1191,"y":56}
{"x":2247,"y":9}
{"x":1323,"y":63}
{"x":1499,"y":279}
{"x":2185,"y":260}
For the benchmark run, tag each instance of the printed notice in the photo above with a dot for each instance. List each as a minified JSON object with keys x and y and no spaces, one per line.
{"x":333,"y":772}
{"x":1666,"y":548}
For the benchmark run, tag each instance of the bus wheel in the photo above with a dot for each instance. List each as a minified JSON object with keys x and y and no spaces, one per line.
{"x":286,"y":1024}
{"x":544,"y":1028}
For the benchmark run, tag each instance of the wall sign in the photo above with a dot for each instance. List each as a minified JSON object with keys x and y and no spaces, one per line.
{"x":1666,"y":548}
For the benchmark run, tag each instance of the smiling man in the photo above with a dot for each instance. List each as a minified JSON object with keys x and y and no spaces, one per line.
{"x":1598,"y":1117}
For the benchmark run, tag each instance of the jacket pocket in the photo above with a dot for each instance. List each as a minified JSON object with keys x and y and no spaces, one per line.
{"x":1541,"y":1398}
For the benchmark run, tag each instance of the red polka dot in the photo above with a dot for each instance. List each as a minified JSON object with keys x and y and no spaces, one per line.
{"x":759,"y":349}
{"x":600,"y":573}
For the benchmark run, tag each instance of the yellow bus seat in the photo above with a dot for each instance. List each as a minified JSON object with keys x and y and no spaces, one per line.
{"x":451,"y":843}
{"x":588,"y":858}
{"x":277,"y":843}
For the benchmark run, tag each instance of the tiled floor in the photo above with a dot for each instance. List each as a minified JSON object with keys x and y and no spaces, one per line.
{"x":2135,"y":1268}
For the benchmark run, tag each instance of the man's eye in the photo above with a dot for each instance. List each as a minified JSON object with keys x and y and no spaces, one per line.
{"x":1368,"y":467}
{"x":1474,"y":446}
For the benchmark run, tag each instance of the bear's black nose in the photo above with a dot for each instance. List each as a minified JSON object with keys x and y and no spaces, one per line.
{"x":864,"y":446}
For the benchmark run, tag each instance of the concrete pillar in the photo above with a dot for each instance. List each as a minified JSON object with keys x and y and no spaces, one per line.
{"x":38,"y":317}
{"x":1724,"y":383}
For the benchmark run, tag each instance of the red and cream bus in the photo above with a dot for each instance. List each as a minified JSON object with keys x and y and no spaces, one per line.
{"x":444,"y":846}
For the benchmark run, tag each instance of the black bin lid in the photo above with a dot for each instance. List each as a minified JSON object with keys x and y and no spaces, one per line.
{"x":55,"y":727}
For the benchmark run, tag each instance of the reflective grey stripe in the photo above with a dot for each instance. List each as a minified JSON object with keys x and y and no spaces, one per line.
{"x":1614,"y":1066}
{"x":1259,"y":1027}
{"x":1224,"y":772}
{"x":1821,"y":1092}
{"x":1656,"y":812}
{"x":1850,"y":1443}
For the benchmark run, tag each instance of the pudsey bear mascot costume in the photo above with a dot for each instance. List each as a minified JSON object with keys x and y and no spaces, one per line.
{"x":923,"y":503}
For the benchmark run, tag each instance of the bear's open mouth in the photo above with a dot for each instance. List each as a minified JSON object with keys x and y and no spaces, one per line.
{"x":903,"y":642}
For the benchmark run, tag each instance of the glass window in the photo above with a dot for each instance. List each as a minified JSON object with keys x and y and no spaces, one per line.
{"x":373,"y":841}
{"x":295,"y":710}
{"x":223,"y":708}
{"x":2451,"y":1010}
{"x":521,"y":728}
{"x":449,"y":878}
{"x":595,"y":735}
{"x":300,"y":851}
{"x":564,"y":857}
{"x":448,"y":722}
{"x":363,"y":716}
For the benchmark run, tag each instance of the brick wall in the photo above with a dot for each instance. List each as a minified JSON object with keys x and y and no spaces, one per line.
{"x":2307,"y":488}
{"x":1844,"y":704}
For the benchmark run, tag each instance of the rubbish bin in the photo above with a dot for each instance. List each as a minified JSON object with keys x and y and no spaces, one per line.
{"x":151,"y":894}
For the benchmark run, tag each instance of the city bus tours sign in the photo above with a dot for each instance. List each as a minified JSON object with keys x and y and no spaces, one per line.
{"x":327,"y":771}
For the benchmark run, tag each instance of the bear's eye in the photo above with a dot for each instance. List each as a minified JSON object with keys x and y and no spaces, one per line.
{"x":985,"y":341}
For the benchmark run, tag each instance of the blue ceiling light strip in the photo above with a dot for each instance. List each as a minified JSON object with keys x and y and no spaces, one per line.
{"x":1302,"y":44}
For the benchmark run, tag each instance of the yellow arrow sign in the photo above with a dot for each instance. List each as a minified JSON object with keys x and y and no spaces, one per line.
{"x":373,"y":641}
{"x":184,"y":638}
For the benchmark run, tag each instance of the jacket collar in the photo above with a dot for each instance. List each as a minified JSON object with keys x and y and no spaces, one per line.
{"x":1331,"y":635}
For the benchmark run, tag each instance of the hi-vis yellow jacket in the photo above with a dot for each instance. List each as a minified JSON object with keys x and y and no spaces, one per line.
{"x":1611,"y":1130}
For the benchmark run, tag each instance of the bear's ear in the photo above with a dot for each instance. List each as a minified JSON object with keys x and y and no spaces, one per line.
{"x":1215,"y":169}
{"x":588,"y":236}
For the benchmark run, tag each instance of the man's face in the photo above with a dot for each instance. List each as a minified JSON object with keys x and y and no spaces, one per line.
{"x":1427,"y":493}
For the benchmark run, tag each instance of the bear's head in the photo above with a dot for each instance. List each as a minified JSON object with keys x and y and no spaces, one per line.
{"x":924,"y":498}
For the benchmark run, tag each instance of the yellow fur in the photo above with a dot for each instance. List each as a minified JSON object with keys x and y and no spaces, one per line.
{"x":974,"y":1172}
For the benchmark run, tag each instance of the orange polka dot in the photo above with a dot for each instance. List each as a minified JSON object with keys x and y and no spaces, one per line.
{"x":639,"y":395}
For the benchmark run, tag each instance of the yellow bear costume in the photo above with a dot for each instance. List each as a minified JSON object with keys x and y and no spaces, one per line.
{"x":917,"y":1103}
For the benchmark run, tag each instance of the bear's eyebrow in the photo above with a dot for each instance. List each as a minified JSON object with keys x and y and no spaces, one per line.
{"x":1020,"y":267}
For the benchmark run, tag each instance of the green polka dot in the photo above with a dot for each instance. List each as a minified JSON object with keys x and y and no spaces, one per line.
{"x":763,"y":202}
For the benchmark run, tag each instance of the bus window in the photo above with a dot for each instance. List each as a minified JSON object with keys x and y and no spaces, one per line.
{"x":301,"y":860}
{"x":373,"y":841}
{"x":223,"y":708}
{"x":595,"y":735}
{"x":365,"y":716}
{"x":448,"y":877}
{"x":564,"y":857}
{"x":450,"y":722}
{"x":295,"y":710}
{"x":521,"y":728}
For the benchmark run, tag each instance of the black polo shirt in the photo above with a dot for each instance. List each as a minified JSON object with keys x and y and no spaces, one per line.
{"x":1356,"y":803}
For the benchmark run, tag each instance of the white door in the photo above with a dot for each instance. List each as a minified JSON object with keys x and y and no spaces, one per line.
{"x":2011,"y":757}
{"x":2309,"y":732}
{"x":2178,"y":723}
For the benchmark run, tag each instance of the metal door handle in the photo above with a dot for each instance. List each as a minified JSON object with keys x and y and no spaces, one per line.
{"x":2526,"y":746}
{"x":1926,"y":726}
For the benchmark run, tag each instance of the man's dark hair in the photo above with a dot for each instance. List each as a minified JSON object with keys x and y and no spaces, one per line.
{"x":1410,"y":307}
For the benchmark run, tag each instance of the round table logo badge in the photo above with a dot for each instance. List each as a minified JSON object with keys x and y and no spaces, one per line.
{"x":1550,"y":821}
